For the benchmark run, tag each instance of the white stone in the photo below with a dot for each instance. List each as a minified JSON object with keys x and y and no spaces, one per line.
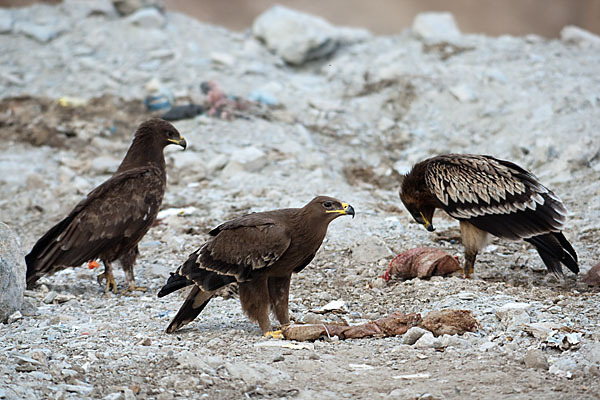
{"x":412,"y":335}
{"x":427,"y":341}
{"x":12,"y":273}
{"x":436,"y":27}
{"x":514,"y":315}
{"x":463,"y":93}
{"x":575,"y":34}
{"x":147,"y":18}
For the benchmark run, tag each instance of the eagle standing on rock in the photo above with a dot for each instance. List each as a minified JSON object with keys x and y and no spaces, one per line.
{"x":488,"y":195}
{"x":260,"y":251}
{"x":110,"y":221}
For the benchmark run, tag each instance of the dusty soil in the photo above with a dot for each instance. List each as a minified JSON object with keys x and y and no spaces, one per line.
{"x":348,"y":127}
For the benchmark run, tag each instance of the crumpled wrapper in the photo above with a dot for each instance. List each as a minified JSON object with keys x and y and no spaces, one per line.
{"x":592,"y":278}
{"x":438,"y":322}
{"x":421,"y":262}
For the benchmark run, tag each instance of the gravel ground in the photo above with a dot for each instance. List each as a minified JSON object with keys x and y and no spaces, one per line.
{"x":345,"y":126}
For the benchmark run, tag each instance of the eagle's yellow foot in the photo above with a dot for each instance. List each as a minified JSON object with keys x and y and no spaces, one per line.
{"x":278,"y":334}
{"x":132,"y":288}
{"x":466,"y":271}
{"x":110,"y":281}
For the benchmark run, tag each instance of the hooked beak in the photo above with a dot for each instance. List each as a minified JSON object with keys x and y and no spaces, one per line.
{"x":422,"y":220}
{"x":347,"y":209}
{"x":181,"y":142}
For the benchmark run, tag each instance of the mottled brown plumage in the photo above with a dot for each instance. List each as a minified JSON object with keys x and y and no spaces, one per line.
{"x":260,"y":251}
{"x":488,"y":195}
{"x":110,"y":221}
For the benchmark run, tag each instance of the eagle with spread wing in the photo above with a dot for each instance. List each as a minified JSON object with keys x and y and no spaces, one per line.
{"x":488,"y":195}
{"x":110,"y":221}
{"x":260,"y":251}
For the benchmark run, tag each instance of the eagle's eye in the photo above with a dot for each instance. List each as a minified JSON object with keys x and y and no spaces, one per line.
{"x":327,"y":204}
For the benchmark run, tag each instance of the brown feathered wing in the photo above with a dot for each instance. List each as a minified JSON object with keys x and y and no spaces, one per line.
{"x":505,"y":200}
{"x":109,"y":221}
{"x":236,"y":250}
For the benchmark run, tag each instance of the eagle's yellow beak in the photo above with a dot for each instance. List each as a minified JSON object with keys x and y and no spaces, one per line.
{"x":181,"y":142}
{"x":427,"y":224}
{"x":346,"y":209}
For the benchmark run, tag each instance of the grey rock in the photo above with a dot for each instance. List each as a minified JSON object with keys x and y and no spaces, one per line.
{"x":217,"y":163}
{"x":86,"y":8}
{"x":370,"y":249}
{"x":12,"y":273}
{"x":564,"y":367}
{"x":428,"y":341}
{"x":591,"y":352}
{"x":188,"y":359}
{"x":412,"y":335}
{"x":126,"y":7}
{"x":298,"y":37}
{"x":463,"y":93}
{"x":147,"y":18}
{"x":49,"y":298}
{"x":82,"y":388}
{"x":248,"y":159}
{"x":574,"y":34}
{"x":41,"y":33}
{"x":514,"y":315}
{"x":6,"y":20}
{"x":536,"y":359}
{"x":436,"y":27}
{"x":253,"y":374}
{"x":14,"y":317}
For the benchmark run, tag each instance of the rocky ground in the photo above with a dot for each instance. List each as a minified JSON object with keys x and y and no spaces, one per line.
{"x":346,"y":124}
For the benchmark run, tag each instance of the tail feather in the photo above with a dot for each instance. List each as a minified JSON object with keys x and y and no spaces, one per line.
{"x":555,"y":249}
{"x":42,"y":258}
{"x":190,"y":309}
{"x":175,"y":282}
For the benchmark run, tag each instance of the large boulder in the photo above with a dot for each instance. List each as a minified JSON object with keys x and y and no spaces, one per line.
{"x":298,"y":37}
{"x":12,"y":273}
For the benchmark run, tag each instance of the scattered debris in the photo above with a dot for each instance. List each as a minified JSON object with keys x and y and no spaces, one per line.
{"x":445,"y":322}
{"x":177,"y":113}
{"x":336,"y":306}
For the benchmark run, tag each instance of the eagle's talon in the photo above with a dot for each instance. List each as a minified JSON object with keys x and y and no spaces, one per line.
{"x":110,"y":281}
{"x":278,"y":334}
{"x":132,"y":288}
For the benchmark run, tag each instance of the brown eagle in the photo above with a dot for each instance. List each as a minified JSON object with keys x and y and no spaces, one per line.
{"x":110,"y":221}
{"x":488,"y":195}
{"x":260,"y":251}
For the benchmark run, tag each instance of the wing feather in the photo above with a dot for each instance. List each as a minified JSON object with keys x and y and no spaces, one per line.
{"x":497,"y":196}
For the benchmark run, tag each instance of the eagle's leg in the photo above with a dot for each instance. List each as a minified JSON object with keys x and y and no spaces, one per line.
{"x":474,"y":239}
{"x":279,"y":292}
{"x":254,"y":297}
{"x":127,"y":262}
{"x":469,"y":263}
{"x":108,"y":275}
